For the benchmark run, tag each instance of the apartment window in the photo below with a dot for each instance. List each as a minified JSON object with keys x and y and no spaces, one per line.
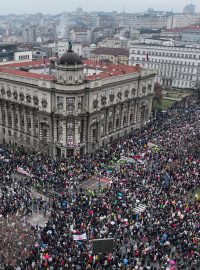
{"x":186,"y":55}
{"x":194,"y":56}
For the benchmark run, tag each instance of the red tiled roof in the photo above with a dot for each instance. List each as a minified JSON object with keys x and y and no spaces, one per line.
{"x":26,"y":74}
{"x":26,"y":64}
{"x":109,"y":70}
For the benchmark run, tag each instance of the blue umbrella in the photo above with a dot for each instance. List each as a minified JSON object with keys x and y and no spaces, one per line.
{"x":125,"y":261}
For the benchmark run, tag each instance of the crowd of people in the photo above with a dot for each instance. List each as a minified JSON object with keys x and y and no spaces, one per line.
{"x":161,"y":173}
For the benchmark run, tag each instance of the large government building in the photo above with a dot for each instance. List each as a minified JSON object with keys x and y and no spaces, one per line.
{"x":72,"y":107}
{"x":176,"y":66}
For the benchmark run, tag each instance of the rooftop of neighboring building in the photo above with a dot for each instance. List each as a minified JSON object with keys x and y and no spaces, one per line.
{"x":24,"y":64}
{"x":110,"y":51}
{"x":26,"y":74}
{"x":180,"y":30}
{"x":78,"y":30}
{"x":107,"y":70}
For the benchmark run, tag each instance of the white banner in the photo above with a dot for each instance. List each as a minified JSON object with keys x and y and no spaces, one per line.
{"x":80,"y":237}
{"x":22,"y":171}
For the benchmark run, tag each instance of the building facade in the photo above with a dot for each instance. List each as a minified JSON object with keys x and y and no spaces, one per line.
{"x":177,"y":66}
{"x":113,"y":55}
{"x":191,"y":35}
{"x":58,"y":48}
{"x":81,"y":35}
{"x":72,"y":112}
{"x":182,"y":20}
{"x":153,"y":22}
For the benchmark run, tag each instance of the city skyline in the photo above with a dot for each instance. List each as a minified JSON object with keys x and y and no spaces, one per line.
{"x":59,"y":6}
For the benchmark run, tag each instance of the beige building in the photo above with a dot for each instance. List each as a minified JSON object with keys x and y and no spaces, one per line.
{"x":81,"y":108}
{"x":113,"y":55}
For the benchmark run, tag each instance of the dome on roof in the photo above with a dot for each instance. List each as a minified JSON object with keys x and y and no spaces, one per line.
{"x":70,"y":58}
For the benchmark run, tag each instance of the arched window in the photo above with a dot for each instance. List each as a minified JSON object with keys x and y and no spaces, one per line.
{"x":70,"y":78}
{"x":117,"y":123}
{"x":124,"y":121}
{"x":131,"y":117}
{"x":110,"y":126}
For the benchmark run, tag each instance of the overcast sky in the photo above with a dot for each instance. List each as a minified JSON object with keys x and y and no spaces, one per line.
{"x":58,"y":6}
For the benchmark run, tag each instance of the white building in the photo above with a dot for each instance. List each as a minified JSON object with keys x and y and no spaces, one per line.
{"x":182,"y":20}
{"x":191,"y":35}
{"x":157,"y":41}
{"x":80,"y":35}
{"x":153,"y":22}
{"x":113,"y":43}
{"x":128,"y":20}
{"x":60,"y":47}
{"x":23,"y":56}
{"x":176,"y":66}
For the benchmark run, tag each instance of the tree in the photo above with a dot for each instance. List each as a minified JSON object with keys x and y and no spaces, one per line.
{"x":158,"y":93}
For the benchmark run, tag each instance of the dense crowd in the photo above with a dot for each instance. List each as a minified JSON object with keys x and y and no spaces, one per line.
{"x":161,"y":173}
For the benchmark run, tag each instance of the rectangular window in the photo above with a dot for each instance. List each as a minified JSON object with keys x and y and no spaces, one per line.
{"x":70,"y":100}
